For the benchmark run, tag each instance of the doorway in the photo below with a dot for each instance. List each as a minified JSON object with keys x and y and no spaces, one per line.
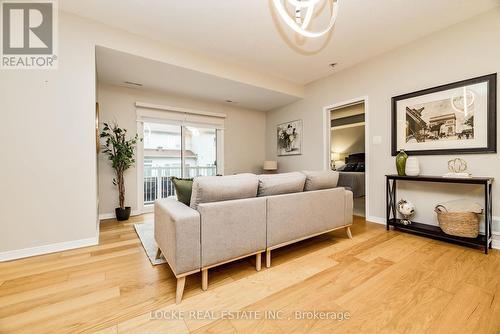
{"x":347,"y":149}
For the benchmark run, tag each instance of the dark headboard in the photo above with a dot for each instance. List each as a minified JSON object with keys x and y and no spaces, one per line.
{"x":355,"y":157}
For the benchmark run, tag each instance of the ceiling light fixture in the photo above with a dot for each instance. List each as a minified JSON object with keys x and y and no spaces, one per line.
{"x":300,"y":25}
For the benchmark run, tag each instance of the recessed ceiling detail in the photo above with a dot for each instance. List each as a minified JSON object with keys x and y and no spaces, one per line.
{"x":132,"y":71}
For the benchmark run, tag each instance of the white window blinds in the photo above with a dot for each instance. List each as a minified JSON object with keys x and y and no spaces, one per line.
{"x":182,"y":116}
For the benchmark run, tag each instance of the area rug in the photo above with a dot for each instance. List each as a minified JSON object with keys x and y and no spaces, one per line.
{"x":145,"y":231}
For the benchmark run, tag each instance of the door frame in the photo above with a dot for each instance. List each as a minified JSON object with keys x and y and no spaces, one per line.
{"x":327,"y":140}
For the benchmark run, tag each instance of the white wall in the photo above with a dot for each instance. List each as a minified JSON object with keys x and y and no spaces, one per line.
{"x":48,"y":169}
{"x":460,"y":52}
{"x":244,"y":136}
{"x":48,"y":172}
{"x":348,"y":140}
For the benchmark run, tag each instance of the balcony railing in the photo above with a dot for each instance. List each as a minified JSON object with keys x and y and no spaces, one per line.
{"x":157,"y":183}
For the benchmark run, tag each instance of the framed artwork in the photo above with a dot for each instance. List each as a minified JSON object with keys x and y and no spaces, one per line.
{"x":457,"y":118}
{"x":289,"y":138}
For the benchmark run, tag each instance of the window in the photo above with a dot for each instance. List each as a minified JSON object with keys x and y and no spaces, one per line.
{"x":175,"y":147}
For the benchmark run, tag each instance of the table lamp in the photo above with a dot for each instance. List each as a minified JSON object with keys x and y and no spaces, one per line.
{"x":270,"y":166}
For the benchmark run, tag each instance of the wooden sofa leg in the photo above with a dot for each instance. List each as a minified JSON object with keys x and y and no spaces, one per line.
{"x":158,"y":253}
{"x":348,"y":231}
{"x":258,"y":261}
{"x":204,"y":279}
{"x":268,"y":258}
{"x":181,"y":282}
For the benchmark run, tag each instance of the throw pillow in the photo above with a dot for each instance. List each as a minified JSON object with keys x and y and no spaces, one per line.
{"x":183,"y":189}
{"x":350,"y":167}
{"x":285,"y":183}
{"x":208,"y":189}
{"x":360,"y":167}
{"x":317,"y":180}
{"x":341,"y":168}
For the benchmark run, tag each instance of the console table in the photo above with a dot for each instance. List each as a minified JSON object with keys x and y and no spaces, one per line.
{"x":435,"y":232}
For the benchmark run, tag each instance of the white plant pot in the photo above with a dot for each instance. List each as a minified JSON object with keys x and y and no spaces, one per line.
{"x":412,"y":167}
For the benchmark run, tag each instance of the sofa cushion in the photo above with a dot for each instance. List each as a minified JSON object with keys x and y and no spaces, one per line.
{"x":276,"y":184}
{"x":317,"y":180}
{"x":207,"y":189}
{"x":295,"y":216}
{"x":183,"y":189}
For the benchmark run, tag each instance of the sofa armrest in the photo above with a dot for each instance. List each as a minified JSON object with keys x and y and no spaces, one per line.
{"x":349,"y":207}
{"x":177,"y":233}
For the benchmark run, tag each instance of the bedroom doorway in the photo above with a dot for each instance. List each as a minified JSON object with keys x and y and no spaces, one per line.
{"x":348,"y":151}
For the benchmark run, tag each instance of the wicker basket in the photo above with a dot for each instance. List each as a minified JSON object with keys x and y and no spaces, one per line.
{"x":460,"y":224}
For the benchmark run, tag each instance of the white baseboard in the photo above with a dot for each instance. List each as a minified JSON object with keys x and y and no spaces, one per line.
{"x":46,"y":249}
{"x":496,"y":242}
{"x":377,"y":220}
{"x":104,"y":216}
{"x":495,"y":232}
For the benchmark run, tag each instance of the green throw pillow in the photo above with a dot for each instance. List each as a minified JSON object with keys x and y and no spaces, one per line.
{"x":183,"y":188}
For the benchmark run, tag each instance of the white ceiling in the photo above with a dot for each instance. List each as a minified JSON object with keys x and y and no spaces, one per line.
{"x":247,"y":33}
{"x":115,"y":67}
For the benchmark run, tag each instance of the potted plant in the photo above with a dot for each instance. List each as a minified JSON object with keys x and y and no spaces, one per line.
{"x":120,"y":152}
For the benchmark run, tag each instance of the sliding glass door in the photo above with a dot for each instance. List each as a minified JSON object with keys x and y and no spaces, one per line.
{"x":200,"y":151}
{"x":175,"y":150}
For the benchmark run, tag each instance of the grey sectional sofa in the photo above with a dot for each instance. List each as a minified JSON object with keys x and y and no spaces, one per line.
{"x":231,"y":217}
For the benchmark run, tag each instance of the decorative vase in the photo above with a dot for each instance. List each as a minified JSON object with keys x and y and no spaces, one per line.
{"x":289,"y":146}
{"x":412,"y":167}
{"x":401,"y":162}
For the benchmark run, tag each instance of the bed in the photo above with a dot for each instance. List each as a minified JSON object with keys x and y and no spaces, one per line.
{"x":352,"y":174}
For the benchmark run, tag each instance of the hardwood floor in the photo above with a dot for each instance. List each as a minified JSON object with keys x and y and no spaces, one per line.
{"x":387,"y":282}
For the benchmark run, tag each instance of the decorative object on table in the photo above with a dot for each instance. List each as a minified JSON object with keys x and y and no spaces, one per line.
{"x":412,"y":166}
{"x":120,"y":152}
{"x":401,"y":162}
{"x":289,"y":138}
{"x":457,"y":168}
{"x":455,"y":118}
{"x":270,"y":166}
{"x":407,"y":210}
{"x":459,"y":218}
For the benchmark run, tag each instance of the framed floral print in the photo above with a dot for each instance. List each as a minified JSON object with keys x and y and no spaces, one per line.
{"x":289,"y":138}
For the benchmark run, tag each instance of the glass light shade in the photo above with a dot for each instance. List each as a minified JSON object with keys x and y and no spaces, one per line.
{"x":300,"y":26}
{"x":270,"y":165}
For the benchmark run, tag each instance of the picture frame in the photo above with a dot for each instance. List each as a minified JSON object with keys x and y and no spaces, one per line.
{"x":289,"y":138}
{"x":456,"y":118}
